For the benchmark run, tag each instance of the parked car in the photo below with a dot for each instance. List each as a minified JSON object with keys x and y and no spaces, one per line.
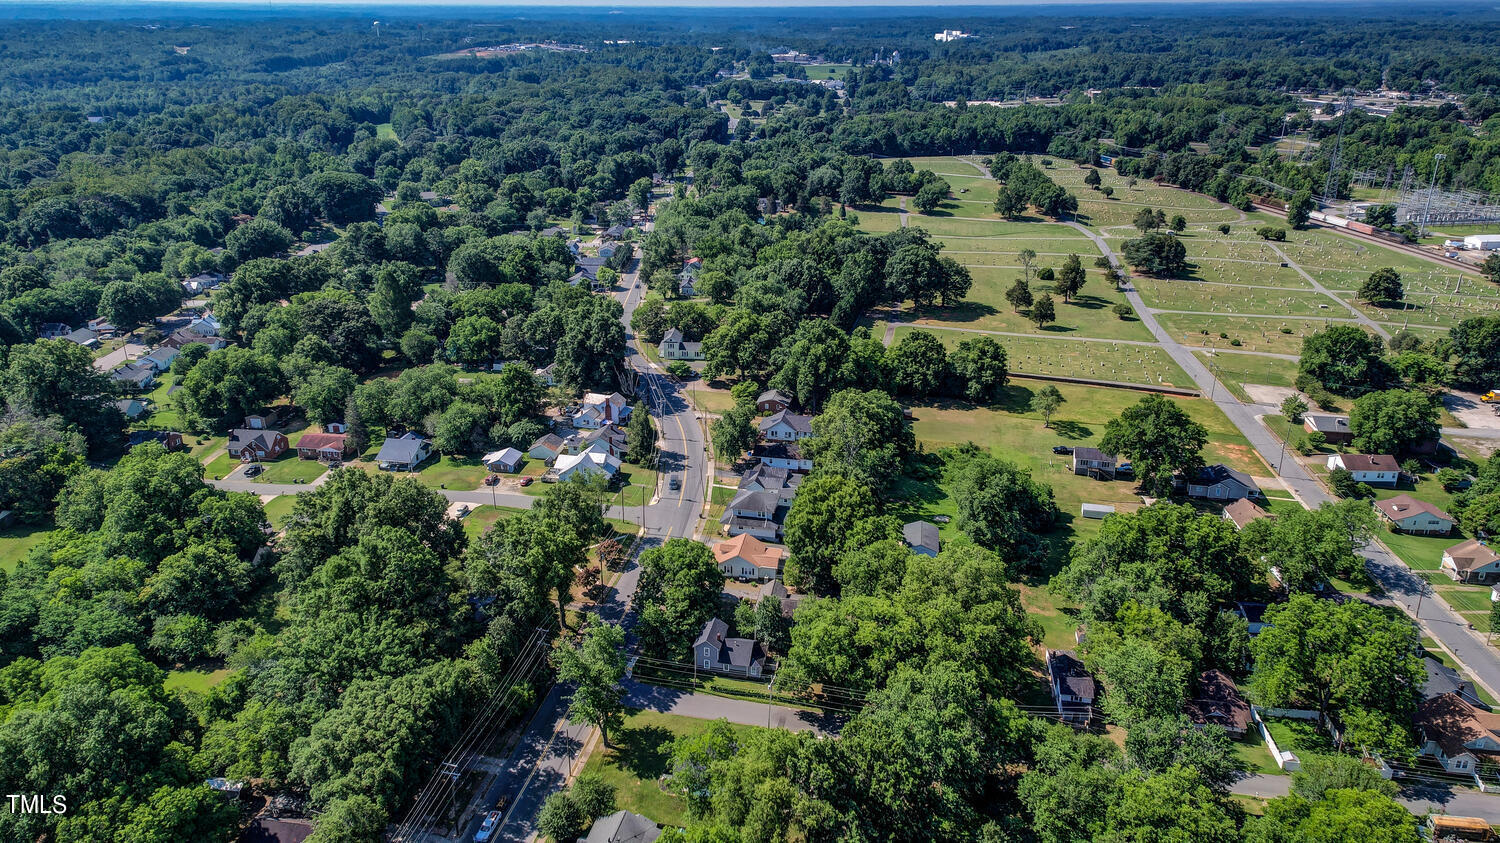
{"x":463,"y":511}
{"x":1061,"y":449}
{"x":1124,"y":468}
{"x":526,"y":481}
{"x":674,"y":483}
{"x":253,"y":469}
{"x":492,"y":480}
{"x":488,"y":828}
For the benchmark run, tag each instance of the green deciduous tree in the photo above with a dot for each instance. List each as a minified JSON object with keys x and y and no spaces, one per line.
{"x":1045,"y":402}
{"x":1383,"y":286}
{"x":679,"y":592}
{"x":1393,"y":421}
{"x":1070,"y":278}
{"x":595,"y":665}
{"x":1002,"y":507}
{"x":978,"y":365}
{"x":1043,"y":311}
{"x":1160,"y":439}
{"x":1156,"y":253}
{"x":1019,"y":295}
{"x":862,"y":435}
{"x":1345,"y":360}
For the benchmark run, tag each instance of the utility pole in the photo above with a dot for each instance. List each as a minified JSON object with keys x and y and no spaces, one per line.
{"x":1437,"y":158}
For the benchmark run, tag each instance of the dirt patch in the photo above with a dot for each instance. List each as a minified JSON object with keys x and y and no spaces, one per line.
{"x":1468,"y":409}
{"x":1272,"y":396}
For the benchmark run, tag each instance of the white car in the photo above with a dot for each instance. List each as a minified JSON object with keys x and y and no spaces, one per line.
{"x":487,"y":828}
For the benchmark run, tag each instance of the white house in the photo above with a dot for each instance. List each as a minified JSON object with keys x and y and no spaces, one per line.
{"x":781,"y":455}
{"x":674,"y":347}
{"x":754,"y":512}
{"x":1073,"y":689}
{"x":1472,"y":561}
{"x":786,"y":426}
{"x":1406,"y":514}
{"x":598,"y":410}
{"x":584,"y":464}
{"x":1457,"y":734}
{"x":403,"y":453}
{"x":1375,"y":469}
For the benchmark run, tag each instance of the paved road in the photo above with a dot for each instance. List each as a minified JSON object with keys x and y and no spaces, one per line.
{"x":1418,"y":800}
{"x":1402,"y":587}
{"x":550,"y":747}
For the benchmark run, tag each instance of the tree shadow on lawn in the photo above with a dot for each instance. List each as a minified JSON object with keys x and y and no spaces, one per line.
{"x":1090,"y":302}
{"x":644,"y":751}
{"x":968,"y":311}
{"x":1072,"y":429}
{"x":1055,"y":328}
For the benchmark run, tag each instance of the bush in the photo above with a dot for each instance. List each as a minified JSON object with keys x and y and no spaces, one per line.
{"x":1286,"y":330}
{"x":1316,"y":440}
{"x":1046,"y":274}
{"x":1345,"y":486}
{"x":1303,"y":447}
{"x":1452,"y":479}
{"x":680,"y":370}
{"x":1411,"y":467}
{"x":1101,"y":262}
{"x":1224,"y":228}
{"x":1223,"y":336}
{"x":1122,"y":310}
{"x":1234,"y":342}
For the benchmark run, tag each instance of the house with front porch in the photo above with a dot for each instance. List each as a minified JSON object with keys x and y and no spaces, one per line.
{"x":716,"y":652}
{"x":1456,"y":734}
{"x":1472,"y":561}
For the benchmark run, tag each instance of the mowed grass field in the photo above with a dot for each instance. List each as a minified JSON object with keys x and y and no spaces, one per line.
{"x":1089,"y":314}
{"x":1254,"y":334}
{"x":1103,"y":360}
{"x":1198,"y":297}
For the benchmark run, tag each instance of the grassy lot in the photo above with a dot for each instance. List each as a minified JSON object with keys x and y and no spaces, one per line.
{"x":1240,"y":369}
{"x":196,"y":681}
{"x":1253,"y":751}
{"x":385,"y":130}
{"x":1253,"y":334}
{"x":16,"y":542}
{"x":279,"y":508}
{"x":289,"y":468}
{"x":875,"y":220}
{"x":481,"y":518}
{"x":709,"y":399}
{"x":452,"y":472}
{"x":220,"y":466}
{"x":826,"y":71}
{"x":1087,"y":315}
{"x":1298,"y":735}
{"x":1198,"y":297}
{"x":1059,"y":620}
{"x":642,"y":753}
{"x":1110,"y":361}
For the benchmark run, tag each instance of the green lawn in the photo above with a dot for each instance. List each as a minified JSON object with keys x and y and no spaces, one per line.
{"x":220,"y":466}
{"x":1199,"y":297}
{"x":642,"y":753}
{"x":384,"y":131}
{"x":481,"y":518}
{"x":1044,"y":355}
{"x":452,"y":472}
{"x":1089,"y":314}
{"x":16,"y":542}
{"x":196,"y":681}
{"x":1240,"y":369}
{"x":1257,"y":757}
{"x":289,"y":468}
{"x":1253,"y":334}
{"x":1298,"y":735}
{"x":279,"y":508}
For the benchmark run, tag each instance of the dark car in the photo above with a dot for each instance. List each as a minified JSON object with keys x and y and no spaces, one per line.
{"x":252,"y":470}
{"x":1124,"y":468}
{"x":1061,"y":449}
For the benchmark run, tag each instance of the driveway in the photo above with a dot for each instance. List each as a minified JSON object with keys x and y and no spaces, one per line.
{"x":1475,"y":414}
{"x":112,"y":360}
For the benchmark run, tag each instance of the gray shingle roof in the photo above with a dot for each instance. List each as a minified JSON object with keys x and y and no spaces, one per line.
{"x":798,"y":423}
{"x":1070,"y":673}
{"x":1327,"y":424}
{"x":1212,"y":475}
{"x":732,"y":652}
{"x":921,"y":534}
{"x":622,"y":827}
{"x":403,"y":450}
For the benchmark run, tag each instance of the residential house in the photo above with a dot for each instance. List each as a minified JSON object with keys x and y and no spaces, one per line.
{"x":1220,"y":482}
{"x":921,"y":537}
{"x":779,"y":480}
{"x":101,"y":326}
{"x":587,"y":269}
{"x":1335,"y":429}
{"x":403,"y":453}
{"x":609,"y":439}
{"x":160,"y":359}
{"x":202,"y":283}
{"x":598,"y":410}
{"x":690,"y":269}
{"x":335,"y":427}
{"x":781,"y":455}
{"x":545,"y":374}
{"x":1254,"y":615}
{"x":53,"y":330}
{"x":506,"y":460}
{"x":614,"y":232}
{"x":552,"y":231}
{"x":326,"y":447}
{"x":184,"y":337}
{"x":1218,"y":702}
{"x":1456,"y":734}
{"x":746,"y":557}
{"x":1472,"y":561}
{"x":83,"y":337}
{"x":169,"y":439}
{"x":1375,"y":469}
{"x":773,"y":401}
{"x":276,"y":830}
{"x":622,"y":827}
{"x":687,"y":287}
{"x":584,"y":464}
{"x":131,"y":407}
{"x":205,"y":326}
{"x":775,"y":588}
{"x":715,"y":652}
{"x":547,"y":448}
{"x":256,"y":445}
{"x":1442,"y":679}
{"x":606,"y":250}
{"x":1073,"y":689}
{"x":757,"y":513}
{"x":1242,"y":512}
{"x":134,"y":377}
{"x":1406,"y":514}
{"x":674,"y":347}
{"x":1092,"y":462}
{"x":786,"y":426}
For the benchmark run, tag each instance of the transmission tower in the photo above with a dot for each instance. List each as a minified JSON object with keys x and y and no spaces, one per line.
{"x":1336,"y":159}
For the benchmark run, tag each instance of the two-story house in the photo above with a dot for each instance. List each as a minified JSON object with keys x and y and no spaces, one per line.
{"x":715,"y":651}
{"x":674,"y":347}
{"x":1073,"y":689}
{"x":755,"y":512}
{"x":598,"y":410}
{"x":781,"y":455}
{"x":1456,"y":734}
{"x":746,"y":557}
{"x":779,"y":480}
{"x":786,"y":426}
